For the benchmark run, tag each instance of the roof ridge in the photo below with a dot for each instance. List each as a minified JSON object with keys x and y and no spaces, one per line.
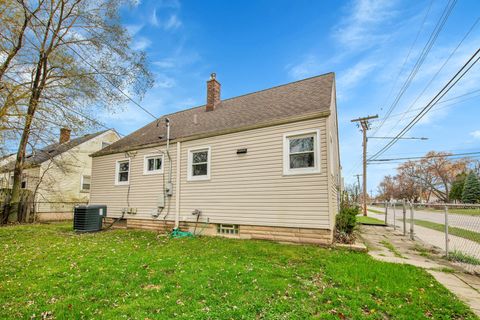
{"x":245,"y":94}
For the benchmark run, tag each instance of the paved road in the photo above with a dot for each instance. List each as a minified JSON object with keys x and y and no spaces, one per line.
{"x":433,"y":237}
{"x":462,"y":221}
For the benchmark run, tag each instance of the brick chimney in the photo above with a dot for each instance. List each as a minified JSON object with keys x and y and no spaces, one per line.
{"x":213,"y":92}
{"x":64,"y":135}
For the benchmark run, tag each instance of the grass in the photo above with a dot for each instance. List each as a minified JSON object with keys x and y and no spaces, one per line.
{"x":376,"y":211}
{"x":462,"y":257}
{"x":459,"y":232}
{"x":444,"y":270}
{"x":468,"y":212}
{"x":49,"y":271}
{"x":422,"y":251}
{"x":392,"y":249}
{"x":369,"y":220}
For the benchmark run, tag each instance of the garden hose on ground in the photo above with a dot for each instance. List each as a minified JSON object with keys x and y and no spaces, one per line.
{"x":176,"y":233}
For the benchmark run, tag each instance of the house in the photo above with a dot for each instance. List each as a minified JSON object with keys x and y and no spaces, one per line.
{"x":59,"y":174}
{"x":264,"y":165}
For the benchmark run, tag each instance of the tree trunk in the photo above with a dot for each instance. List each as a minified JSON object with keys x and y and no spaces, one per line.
{"x":37,"y":88}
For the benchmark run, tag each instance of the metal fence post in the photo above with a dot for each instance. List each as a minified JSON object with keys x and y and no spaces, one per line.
{"x":386,"y":212}
{"x":404,"y":209}
{"x":412,"y":235}
{"x":394,"y":225}
{"x":446,"y":230}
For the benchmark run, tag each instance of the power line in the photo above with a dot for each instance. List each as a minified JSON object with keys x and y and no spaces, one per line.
{"x":426,"y":157}
{"x":64,"y":106}
{"x":437,"y":73}
{"x":421,"y":59}
{"x":405,"y":138}
{"x":445,"y":89}
{"x":364,"y":124}
{"x":96,"y":70}
{"x":409,"y":51}
{"x":437,"y":108}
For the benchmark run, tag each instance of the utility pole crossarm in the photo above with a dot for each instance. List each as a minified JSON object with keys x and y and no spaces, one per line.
{"x":365,"y":126}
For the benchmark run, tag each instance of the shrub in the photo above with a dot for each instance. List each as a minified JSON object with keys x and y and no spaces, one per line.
{"x":345,"y":223}
{"x":471,"y":189}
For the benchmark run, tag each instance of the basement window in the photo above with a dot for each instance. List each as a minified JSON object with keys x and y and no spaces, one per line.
{"x":122,"y":175}
{"x":227,"y":228}
{"x":301,"y":152}
{"x":199,"y":164}
{"x":153,"y":164}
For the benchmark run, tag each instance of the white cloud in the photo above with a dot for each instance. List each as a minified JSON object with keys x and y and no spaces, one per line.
{"x":133,"y":29}
{"x":308,"y":67}
{"x":141,"y":43}
{"x":164,"y":81}
{"x":167,"y":63}
{"x":352,"y":76}
{"x":475,"y":134}
{"x":173,"y":22}
{"x":357,"y":28}
{"x":153,"y":18}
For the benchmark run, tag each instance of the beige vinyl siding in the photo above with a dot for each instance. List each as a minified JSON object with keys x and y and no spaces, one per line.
{"x":59,"y":179}
{"x":250,"y":189}
{"x":145,"y":190}
{"x":61,"y":176}
{"x":334,"y":161}
{"x":246,"y":189}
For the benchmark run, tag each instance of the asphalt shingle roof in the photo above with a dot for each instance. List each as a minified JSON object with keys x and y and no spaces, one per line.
{"x":50,"y":151}
{"x":282,"y":102}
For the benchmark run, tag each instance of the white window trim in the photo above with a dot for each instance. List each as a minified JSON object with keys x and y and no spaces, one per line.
{"x":190,"y":176}
{"x":145,"y":164}
{"x":81,"y":183}
{"x":117,"y":167}
{"x":286,"y":152}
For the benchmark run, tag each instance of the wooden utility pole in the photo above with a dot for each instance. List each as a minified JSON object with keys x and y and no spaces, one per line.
{"x":364,"y":126}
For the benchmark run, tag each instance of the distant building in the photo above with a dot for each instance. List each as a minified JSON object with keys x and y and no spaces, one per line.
{"x":59,"y":173}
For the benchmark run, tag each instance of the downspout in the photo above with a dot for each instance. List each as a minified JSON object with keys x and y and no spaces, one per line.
{"x":177,"y":191}
{"x":168,"y":152}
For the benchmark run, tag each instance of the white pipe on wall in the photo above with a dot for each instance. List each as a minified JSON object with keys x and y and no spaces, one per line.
{"x":177,"y":189}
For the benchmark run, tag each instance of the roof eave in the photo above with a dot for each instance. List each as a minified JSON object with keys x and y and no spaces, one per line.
{"x":308,"y":116}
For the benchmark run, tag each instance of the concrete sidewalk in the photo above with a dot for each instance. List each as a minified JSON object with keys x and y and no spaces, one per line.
{"x":434,"y":237}
{"x":465,"y":286}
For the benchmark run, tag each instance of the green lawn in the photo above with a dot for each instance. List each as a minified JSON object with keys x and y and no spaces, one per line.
{"x":369,"y":220}
{"x":468,"y":212}
{"x":376,"y":211}
{"x":123,"y":274}
{"x":459,"y":232}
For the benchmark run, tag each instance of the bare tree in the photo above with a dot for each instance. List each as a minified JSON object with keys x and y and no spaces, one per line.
{"x":75,"y":59}
{"x":433,"y":174}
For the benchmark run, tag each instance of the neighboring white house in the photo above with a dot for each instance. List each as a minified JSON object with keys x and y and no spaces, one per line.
{"x":59,"y":174}
{"x":263,"y":165}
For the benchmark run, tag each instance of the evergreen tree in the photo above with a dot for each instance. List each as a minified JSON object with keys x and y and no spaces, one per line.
{"x":471,"y":189}
{"x":457,"y":187}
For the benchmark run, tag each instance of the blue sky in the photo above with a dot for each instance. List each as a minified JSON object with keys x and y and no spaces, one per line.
{"x":259,"y":44}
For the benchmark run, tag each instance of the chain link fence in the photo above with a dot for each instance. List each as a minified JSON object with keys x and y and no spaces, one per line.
{"x":453,"y":228}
